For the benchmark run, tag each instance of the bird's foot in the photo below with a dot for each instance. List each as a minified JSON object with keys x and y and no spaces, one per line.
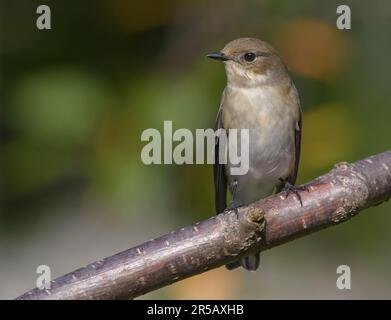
{"x":289,"y":187}
{"x":234,"y":205}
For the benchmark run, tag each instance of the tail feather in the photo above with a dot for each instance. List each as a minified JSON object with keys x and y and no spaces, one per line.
{"x":250,"y":263}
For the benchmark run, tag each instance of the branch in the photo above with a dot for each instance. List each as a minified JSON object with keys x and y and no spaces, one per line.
{"x":330,"y":199}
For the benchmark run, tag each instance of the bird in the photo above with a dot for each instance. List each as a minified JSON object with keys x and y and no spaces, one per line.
{"x":259,"y":96}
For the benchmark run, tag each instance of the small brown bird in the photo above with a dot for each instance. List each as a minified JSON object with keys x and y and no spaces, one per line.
{"x":259,"y":96}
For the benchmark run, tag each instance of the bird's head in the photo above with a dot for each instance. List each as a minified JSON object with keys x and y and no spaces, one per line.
{"x":250,"y":62}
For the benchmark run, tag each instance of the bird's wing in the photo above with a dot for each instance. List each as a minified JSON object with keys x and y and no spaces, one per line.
{"x":295,"y":96}
{"x":220,"y":179}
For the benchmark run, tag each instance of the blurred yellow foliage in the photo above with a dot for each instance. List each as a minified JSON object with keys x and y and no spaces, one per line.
{"x":215,"y":284}
{"x":329,"y":136}
{"x":312,"y":48}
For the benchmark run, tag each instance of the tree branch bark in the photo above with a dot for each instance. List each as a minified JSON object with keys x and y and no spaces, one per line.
{"x":330,"y":199}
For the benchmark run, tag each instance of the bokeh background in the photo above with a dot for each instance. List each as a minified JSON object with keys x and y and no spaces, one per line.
{"x":75,"y":99}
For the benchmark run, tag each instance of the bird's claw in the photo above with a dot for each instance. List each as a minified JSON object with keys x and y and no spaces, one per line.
{"x":234,"y":206}
{"x":289,"y":187}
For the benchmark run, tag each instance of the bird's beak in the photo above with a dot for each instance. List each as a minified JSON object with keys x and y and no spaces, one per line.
{"x":218,"y":56}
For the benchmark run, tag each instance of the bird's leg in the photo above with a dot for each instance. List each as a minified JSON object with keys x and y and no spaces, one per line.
{"x":233,"y":205}
{"x":289,"y":187}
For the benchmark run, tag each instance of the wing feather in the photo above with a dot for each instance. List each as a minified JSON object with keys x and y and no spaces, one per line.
{"x":220,"y":179}
{"x":298,"y":129}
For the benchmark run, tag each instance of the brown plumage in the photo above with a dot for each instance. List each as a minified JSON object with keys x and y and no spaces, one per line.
{"x":261,"y":97}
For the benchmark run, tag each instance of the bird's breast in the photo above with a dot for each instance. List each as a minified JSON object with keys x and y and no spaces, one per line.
{"x":268,"y":115}
{"x":257,"y":107}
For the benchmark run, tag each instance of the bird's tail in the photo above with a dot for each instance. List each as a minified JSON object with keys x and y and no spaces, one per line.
{"x":250,"y":263}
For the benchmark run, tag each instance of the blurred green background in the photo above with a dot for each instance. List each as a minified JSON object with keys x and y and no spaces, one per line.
{"x":75,"y":99}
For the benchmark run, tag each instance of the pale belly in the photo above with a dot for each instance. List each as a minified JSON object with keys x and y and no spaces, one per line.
{"x":271,"y":141}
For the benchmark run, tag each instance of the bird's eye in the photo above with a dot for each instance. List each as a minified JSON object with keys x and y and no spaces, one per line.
{"x":249,"y":56}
